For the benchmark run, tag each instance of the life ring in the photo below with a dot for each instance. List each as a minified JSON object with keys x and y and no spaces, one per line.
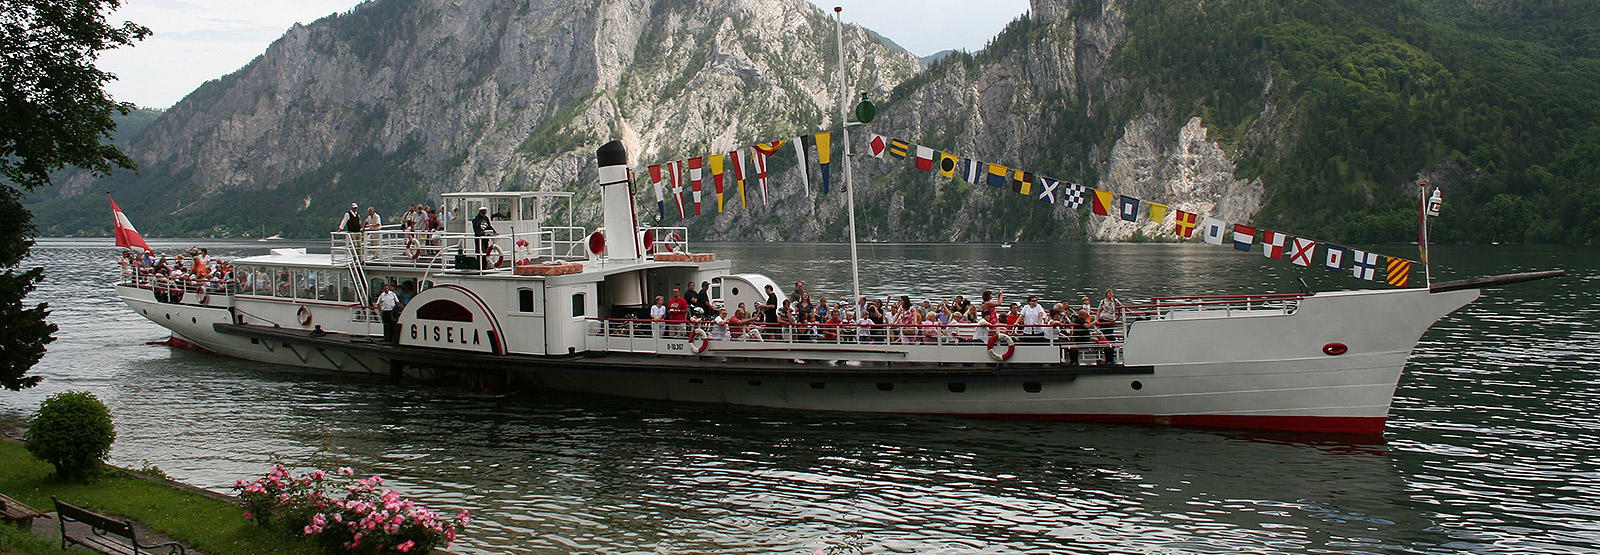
{"x":1000,"y":339}
{"x":413,"y":250}
{"x":699,"y":341}
{"x":671,"y":239}
{"x":205,"y":296}
{"x":497,"y":257}
{"x":304,"y":315}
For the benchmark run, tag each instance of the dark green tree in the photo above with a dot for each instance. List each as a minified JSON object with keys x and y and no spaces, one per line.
{"x":54,"y":112}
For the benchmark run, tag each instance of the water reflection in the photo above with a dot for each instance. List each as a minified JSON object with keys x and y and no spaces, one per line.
{"x":1491,"y":445}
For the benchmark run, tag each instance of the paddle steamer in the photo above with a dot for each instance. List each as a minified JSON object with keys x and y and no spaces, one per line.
{"x":561,"y":307}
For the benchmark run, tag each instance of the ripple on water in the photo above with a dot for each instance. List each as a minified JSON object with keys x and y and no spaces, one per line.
{"x":1491,"y":444}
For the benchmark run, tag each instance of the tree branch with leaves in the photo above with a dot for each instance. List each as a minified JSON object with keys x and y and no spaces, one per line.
{"x":54,"y":112}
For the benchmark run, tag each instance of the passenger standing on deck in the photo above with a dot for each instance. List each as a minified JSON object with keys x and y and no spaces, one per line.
{"x":658,"y":317}
{"x":769,"y":309}
{"x":1033,"y":316}
{"x":1110,"y":308}
{"x":351,"y":222}
{"x":481,"y":228}
{"x":1109,"y":314}
{"x":705,"y":297}
{"x":388,"y":304}
{"x":677,"y":311}
{"x":692,"y":296}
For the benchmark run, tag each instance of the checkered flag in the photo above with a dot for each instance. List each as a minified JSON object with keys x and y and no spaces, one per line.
{"x":1072,"y":194}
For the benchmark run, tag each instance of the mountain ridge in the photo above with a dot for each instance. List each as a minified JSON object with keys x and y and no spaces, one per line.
{"x":1308,"y":116}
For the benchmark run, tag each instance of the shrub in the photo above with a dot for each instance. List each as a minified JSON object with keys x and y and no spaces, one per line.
{"x":344,"y":514}
{"x":72,"y":432}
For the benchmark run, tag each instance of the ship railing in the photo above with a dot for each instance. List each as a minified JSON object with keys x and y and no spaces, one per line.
{"x":667,"y":239}
{"x":636,"y":335}
{"x":1219,"y":305}
{"x":186,"y":284}
{"x":427,"y":249}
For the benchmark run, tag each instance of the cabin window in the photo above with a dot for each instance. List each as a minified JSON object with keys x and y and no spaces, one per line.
{"x":525,"y":300}
{"x":500,"y":209}
{"x":577,"y":305}
{"x":305,"y":284}
{"x":329,"y":290}
{"x":716,"y":289}
{"x":529,"y":208}
{"x":447,"y":311}
{"x":285,"y":283}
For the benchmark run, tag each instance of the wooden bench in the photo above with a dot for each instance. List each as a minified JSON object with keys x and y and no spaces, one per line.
{"x":17,"y":513}
{"x":104,"y":534}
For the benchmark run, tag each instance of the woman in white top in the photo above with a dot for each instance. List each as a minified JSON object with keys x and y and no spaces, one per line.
{"x":719,"y":325}
{"x":658,"y":317}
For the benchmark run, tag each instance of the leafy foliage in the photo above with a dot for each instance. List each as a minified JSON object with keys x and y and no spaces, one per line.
{"x":72,"y":432}
{"x":54,"y":112}
{"x":1496,"y":104}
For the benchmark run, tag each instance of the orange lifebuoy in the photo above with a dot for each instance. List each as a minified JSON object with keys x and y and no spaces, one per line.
{"x":1001,"y":339}
{"x":699,"y":341}
{"x":304,"y":315}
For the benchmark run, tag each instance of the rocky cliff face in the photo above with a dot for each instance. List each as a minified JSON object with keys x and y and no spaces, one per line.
{"x":398,"y":100}
{"x":1045,"y":96}
{"x":442,"y":95}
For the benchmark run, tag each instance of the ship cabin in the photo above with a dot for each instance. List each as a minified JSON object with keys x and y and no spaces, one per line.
{"x":535,"y":283}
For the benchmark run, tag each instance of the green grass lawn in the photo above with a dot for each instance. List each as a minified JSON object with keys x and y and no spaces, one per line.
{"x":211,"y":525}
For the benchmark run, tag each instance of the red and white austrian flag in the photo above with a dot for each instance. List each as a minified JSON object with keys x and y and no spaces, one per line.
{"x":127,"y":236}
{"x":1272,"y":243}
{"x":1302,"y":251}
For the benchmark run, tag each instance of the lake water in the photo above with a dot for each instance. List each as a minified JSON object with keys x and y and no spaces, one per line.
{"x":1492,"y":445}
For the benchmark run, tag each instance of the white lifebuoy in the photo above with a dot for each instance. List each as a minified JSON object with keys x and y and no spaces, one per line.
{"x":205,"y":296}
{"x":304,"y":315}
{"x":497,"y":257}
{"x":413,"y":250}
{"x":699,"y":340}
{"x":1000,"y":339}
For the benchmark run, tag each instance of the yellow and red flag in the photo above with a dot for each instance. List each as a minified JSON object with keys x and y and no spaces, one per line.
{"x":1398,"y":273}
{"x":1102,"y":202}
{"x":1186,"y":224}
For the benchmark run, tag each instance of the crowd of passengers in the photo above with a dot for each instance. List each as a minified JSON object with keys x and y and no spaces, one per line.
{"x":193,"y":268}
{"x":799,"y":317}
{"x":417,"y":217}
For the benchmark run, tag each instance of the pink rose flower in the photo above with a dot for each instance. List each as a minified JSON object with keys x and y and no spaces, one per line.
{"x":405,"y":547}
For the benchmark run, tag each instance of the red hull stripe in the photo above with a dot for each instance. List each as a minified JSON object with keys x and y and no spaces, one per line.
{"x":1311,"y":424}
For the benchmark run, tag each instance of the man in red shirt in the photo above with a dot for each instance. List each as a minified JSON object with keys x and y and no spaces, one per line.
{"x":677,"y":310}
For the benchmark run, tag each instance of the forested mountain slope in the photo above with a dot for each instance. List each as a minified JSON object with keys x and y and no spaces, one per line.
{"x":1308,"y":116}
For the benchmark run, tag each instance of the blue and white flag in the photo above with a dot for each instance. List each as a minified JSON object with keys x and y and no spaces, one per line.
{"x":1335,"y":258}
{"x":1130,"y":208}
{"x":1073,"y":196}
{"x":1049,"y":186}
{"x":973,"y":170}
{"x":1365,"y":264}
{"x":1215,"y":229}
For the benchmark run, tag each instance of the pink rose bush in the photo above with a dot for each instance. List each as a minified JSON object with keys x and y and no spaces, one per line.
{"x":346,"y":514}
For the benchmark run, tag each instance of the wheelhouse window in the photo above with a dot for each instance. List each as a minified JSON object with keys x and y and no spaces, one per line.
{"x":525,"y":300}
{"x":529,"y":208}
{"x":500,"y":209}
{"x":578,"y":305}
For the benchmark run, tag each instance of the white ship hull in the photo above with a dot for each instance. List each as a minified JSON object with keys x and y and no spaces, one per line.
{"x":1264,"y":369}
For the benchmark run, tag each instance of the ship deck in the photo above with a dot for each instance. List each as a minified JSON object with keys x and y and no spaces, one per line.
{"x":685,"y":366}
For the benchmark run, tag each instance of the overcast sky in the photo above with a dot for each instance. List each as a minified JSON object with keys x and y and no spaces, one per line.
{"x":198,"y":40}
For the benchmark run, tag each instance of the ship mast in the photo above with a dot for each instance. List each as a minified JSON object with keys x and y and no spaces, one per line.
{"x":845,"y":123}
